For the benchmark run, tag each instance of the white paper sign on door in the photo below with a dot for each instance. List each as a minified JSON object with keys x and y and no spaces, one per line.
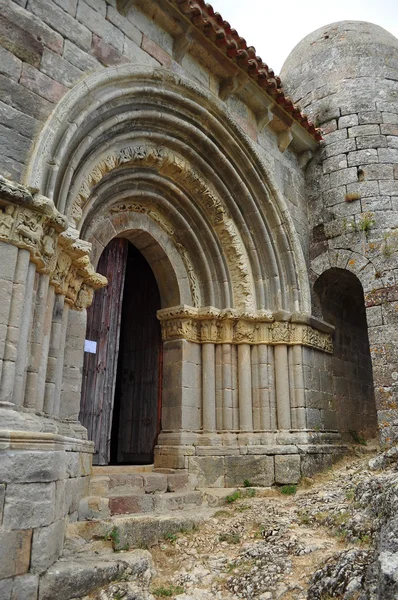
{"x":90,"y":346}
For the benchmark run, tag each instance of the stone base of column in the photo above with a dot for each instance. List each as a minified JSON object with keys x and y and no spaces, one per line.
{"x":227,"y":459}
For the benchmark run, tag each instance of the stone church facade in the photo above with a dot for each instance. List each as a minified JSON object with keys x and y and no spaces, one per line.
{"x":156,"y":174}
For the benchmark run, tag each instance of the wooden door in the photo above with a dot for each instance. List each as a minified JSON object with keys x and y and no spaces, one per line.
{"x":137,"y":397}
{"x":99,"y":371}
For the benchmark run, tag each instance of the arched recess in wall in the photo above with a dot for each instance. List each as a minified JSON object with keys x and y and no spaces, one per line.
{"x":340,"y":299}
{"x":149,"y":143}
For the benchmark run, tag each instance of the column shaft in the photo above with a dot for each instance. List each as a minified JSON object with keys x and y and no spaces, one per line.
{"x":208,"y":387}
{"x":282,"y":387}
{"x":245,"y":388}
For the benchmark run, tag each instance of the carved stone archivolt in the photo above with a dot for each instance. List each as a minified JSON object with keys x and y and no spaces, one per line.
{"x":210,"y":325}
{"x":164,"y":224}
{"x":182,"y":172}
{"x":31,"y":222}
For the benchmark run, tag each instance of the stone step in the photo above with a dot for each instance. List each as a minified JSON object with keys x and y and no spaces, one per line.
{"x":116,"y":469}
{"x":100,"y":507}
{"x":80,"y":575}
{"x":122,"y":483}
{"x":131,"y":531}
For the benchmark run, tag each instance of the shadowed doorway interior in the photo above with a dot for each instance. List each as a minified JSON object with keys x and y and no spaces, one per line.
{"x":121,"y":391}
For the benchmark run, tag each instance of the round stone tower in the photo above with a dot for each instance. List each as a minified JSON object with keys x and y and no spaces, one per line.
{"x":345,"y":77}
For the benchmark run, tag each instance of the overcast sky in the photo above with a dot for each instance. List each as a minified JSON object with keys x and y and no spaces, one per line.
{"x":274,"y":27}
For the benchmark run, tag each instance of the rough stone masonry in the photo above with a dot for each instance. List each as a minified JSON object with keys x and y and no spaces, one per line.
{"x":273,"y":244}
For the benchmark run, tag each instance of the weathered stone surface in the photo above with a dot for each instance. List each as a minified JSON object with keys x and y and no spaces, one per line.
{"x":29,"y":505}
{"x":105,"y":53}
{"x":287,"y":469}
{"x":41,"y":84}
{"x":210,"y":471}
{"x":47,"y":544}
{"x":14,"y":552}
{"x":132,"y":504}
{"x":23,"y":100}
{"x":10,"y":65}
{"x":100,"y":26}
{"x":259,"y":468}
{"x":30,"y":467}
{"x":62,"y":22}
{"x":21,"y":43}
{"x":59,"y":69}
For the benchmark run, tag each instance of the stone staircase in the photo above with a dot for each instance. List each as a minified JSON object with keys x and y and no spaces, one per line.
{"x":136,"y":490}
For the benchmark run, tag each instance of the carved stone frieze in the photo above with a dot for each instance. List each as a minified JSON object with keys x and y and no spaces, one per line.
{"x":181,"y":171}
{"x":210,"y":325}
{"x":31,"y":222}
{"x":164,"y":224}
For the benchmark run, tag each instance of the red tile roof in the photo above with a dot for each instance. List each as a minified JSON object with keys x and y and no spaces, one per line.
{"x":213,"y":26}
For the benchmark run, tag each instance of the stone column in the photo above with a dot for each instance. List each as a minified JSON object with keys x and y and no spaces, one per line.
{"x":264,"y":386}
{"x":298,"y":395}
{"x":45,"y":348}
{"x":73,"y":365}
{"x":57,"y":340}
{"x":235,"y":386}
{"x":35,"y":344}
{"x":14,"y":270}
{"x":227,"y":417}
{"x":282,"y":387}
{"x":245,"y":388}
{"x":208,"y":387}
{"x":255,"y":387}
{"x":218,"y":387}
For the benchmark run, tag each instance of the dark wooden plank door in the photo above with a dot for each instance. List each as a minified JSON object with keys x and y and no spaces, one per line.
{"x":99,"y":371}
{"x":137,"y":397}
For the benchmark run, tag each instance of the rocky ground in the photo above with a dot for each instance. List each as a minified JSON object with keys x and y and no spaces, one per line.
{"x":335,"y":537}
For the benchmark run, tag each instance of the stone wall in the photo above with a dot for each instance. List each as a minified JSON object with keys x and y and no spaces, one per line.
{"x":345,"y":75}
{"x":43,"y":478}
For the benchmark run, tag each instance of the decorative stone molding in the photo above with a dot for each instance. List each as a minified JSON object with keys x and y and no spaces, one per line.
{"x":176,"y":167}
{"x":211,"y":325}
{"x":31,"y":222}
{"x":156,"y":216}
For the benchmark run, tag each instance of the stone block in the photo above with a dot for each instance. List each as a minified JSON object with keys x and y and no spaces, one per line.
{"x":23,"y":100}
{"x":175,"y":482}
{"x":388,"y":155}
{"x":47,"y":544}
{"x":314,"y":463}
{"x":287,"y":469}
{"x":21,"y":466}
{"x":154,"y":483}
{"x":370,"y":117}
{"x":15,"y":145}
{"x":100,"y":26}
{"x":33,"y":26}
{"x":340,"y":147}
{"x":69,"y":5}
{"x":59,"y":69}
{"x":259,"y":470}
{"x":136,"y":55}
{"x":127,"y":481}
{"x":24,"y":587}
{"x":20,"y":42}
{"x":371,"y":141}
{"x":361,"y":130}
{"x":156,"y":51}
{"x":14,"y":119}
{"x":80,"y":59}
{"x":389,"y":129}
{"x":94,"y":507}
{"x":42,"y":85}
{"x":105,"y":53}
{"x":348,"y":121}
{"x":29,"y":505}
{"x":133,"y":504}
{"x":2,"y":498}
{"x":362,"y":157}
{"x":61,"y":21}
{"x":335,"y":163}
{"x":338,"y":178}
{"x":14,"y":552}
{"x":124,"y":25}
{"x":209,"y":470}
{"x":10,"y":65}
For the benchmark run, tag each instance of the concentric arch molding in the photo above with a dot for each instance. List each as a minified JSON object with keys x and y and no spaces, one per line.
{"x":214,"y":326}
{"x":170,"y":164}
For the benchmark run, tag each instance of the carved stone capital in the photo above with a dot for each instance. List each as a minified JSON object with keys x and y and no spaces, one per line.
{"x":31,"y":222}
{"x":210,"y":325}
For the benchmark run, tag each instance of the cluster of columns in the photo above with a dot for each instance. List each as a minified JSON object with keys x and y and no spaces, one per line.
{"x":251,"y":387}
